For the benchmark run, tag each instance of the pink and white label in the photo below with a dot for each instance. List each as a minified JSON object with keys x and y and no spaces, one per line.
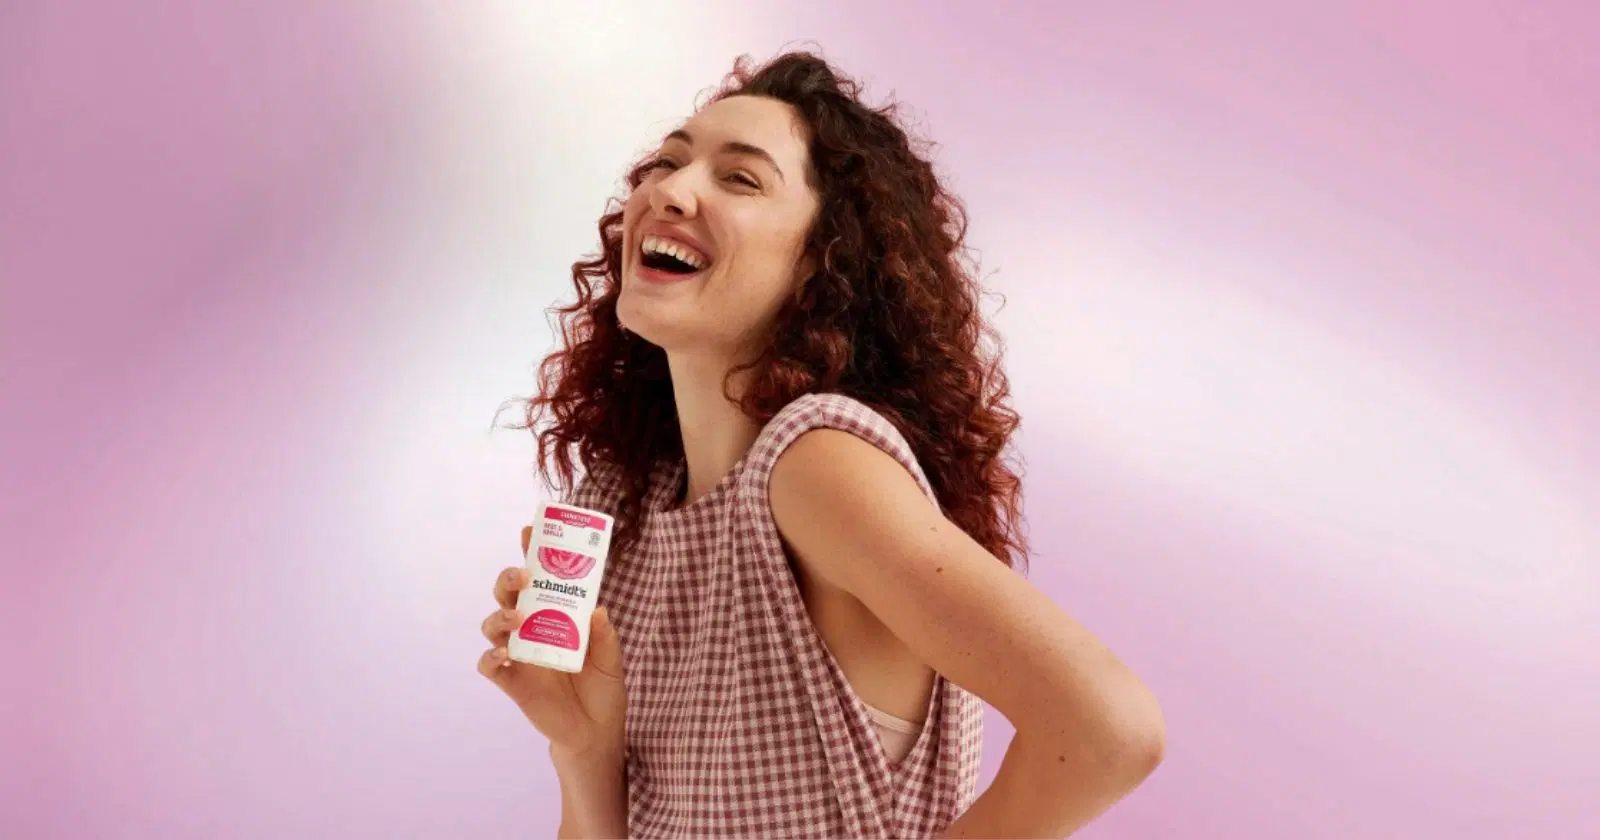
{"x":566,"y":562}
{"x":577,"y":519}
{"x":551,"y":627}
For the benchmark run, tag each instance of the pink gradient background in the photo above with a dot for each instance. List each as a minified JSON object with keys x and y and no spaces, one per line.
{"x":1302,"y":304}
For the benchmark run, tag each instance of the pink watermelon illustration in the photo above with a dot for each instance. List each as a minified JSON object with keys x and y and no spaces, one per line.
{"x":567,"y":565}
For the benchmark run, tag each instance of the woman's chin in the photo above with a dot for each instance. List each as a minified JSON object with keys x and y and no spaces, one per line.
{"x":649,"y":326}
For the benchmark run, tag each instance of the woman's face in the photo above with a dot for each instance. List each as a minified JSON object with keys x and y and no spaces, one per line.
{"x":713,"y":238}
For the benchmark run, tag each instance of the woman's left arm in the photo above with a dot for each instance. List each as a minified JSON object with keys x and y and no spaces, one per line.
{"x":1087,"y":730}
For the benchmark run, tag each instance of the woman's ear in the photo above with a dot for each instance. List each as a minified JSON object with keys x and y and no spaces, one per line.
{"x":805,"y":273}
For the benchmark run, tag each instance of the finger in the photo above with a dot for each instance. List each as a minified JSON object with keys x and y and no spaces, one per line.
{"x":530,"y":687}
{"x":527,"y":538}
{"x":605,"y":647}
{"x":495,"y":663}
{"x":498,"y":626}
{"x":511,"y":581}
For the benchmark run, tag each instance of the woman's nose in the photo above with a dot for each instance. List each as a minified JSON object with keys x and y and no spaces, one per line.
{"x":673,"y":196}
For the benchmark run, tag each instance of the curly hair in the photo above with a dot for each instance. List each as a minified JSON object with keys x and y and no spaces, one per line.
{"x":891,"y":318}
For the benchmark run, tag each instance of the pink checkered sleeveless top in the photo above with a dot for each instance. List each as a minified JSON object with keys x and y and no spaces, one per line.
{"x":740,"y":722}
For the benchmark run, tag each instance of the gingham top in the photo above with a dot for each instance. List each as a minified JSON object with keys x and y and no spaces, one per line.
{"x":740,"y":722}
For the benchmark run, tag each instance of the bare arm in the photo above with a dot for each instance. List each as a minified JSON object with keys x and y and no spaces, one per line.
{"x":594,"y":797}
{"x":1088,"y":731}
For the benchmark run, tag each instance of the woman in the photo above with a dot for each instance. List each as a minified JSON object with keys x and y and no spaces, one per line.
{"x":775,"y":377}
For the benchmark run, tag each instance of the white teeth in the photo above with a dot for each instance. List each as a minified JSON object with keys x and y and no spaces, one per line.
{"x":658,"y":245}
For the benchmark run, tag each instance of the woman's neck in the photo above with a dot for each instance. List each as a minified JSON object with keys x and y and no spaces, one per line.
{"x":716,"y":433}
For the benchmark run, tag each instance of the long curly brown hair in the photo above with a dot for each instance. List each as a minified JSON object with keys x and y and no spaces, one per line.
{"x":891,"y":318}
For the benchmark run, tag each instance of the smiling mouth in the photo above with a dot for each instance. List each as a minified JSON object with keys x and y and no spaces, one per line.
{"x":669,"y":257}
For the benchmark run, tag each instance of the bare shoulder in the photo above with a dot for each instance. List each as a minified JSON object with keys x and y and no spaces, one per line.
{"x":856,"y":519}
{"x":834,"y":459}
{"x":831,"y":484}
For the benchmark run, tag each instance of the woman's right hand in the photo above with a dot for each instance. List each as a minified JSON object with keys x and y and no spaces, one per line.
{"x":583,"y":715}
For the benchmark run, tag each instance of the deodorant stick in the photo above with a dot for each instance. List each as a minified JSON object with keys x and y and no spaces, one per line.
{"x":566,"y":559}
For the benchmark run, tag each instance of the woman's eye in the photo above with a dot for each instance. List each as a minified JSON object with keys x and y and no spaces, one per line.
{"x":744,"y":180}
{"x":662,"y":163}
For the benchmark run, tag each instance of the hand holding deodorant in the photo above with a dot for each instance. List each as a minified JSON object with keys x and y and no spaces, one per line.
{"x":566,"y":559}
